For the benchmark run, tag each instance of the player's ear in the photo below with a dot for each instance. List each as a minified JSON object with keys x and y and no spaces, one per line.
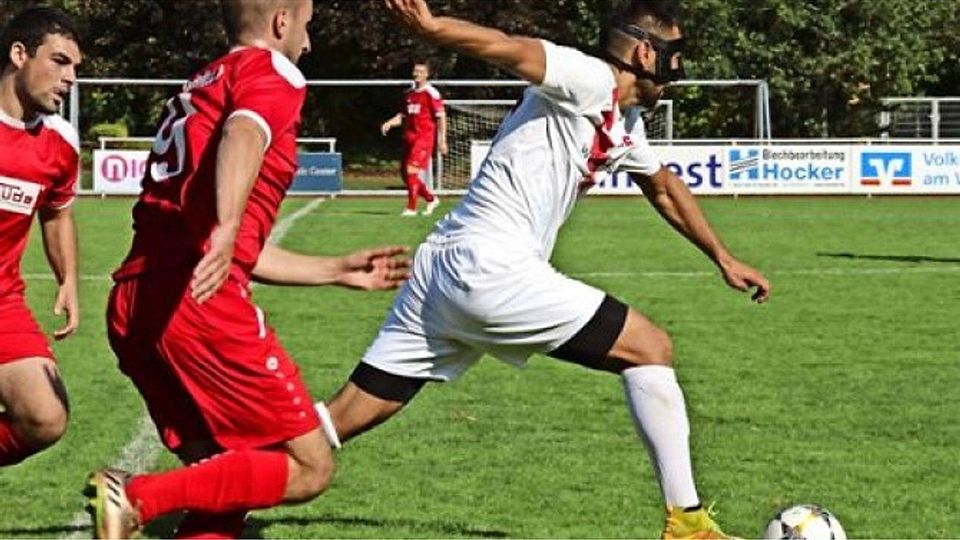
{"x":643,"y":53}
{"x":18,"y":54}
{"x":280,"y":25}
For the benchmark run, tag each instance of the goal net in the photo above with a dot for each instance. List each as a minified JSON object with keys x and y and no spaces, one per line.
{"x":473,"y":123}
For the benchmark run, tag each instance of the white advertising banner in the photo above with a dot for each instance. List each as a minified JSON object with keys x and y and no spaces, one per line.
{"x":798,"y":169}
{"x":701,"y":167}
{"x":906,"y":169}
{"x":119,"y":171}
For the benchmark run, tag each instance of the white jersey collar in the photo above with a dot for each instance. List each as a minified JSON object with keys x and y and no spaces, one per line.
{"x":19,"y":124}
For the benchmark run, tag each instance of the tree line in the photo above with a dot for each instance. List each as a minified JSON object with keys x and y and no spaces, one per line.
{"x":828,"y":62}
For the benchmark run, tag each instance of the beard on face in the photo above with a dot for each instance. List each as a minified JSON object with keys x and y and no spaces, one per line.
{"x":648,"y":94}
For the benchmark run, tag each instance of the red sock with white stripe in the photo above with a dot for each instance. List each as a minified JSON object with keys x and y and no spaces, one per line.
{"x":229,"y":482}
{"x":13,"y":449}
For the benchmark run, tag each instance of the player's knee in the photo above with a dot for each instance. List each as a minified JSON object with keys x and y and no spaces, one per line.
{"x":653,"y":346}
{"x":43,"y":426}
{"x":311,"y":479}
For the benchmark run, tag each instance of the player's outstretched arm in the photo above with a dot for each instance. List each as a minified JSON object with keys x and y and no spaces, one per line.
{"x":367,"y":269}
{"x":60,"y":243}
{"x":674,"y":201}
{"x":522,"y":56}
{"x":239,"y":157}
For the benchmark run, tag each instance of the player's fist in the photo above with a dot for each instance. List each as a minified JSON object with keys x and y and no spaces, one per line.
{"x":414,"y":14}
{"x":743,"y":278}
{"x":67,"y":304}
{"x":212,"y":270}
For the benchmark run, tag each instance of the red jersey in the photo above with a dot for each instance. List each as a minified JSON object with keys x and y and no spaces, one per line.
{"x":177,"y":209}
{"x":38,"y":169}
{"x":421,"y":108}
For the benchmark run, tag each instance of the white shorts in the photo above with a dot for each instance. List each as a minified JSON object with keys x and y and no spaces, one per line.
{"x":467,"y":298}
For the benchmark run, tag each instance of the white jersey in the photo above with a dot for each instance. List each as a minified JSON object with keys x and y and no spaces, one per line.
{"x":563,"y":137}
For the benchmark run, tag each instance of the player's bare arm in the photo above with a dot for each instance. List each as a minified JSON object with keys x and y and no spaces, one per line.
{"x":368,"y":269}
{"x":393,"y":122}
{"x":522,"y":56}
{"x":442,"y":134}
{"x":59,"y":233}
{"x":673,"y":200}
{"x":239,"y":157}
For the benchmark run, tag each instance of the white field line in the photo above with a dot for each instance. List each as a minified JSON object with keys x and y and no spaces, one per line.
{"x":665,"y":273}
{"x":141,"y":453}
{"x":796,"y":272}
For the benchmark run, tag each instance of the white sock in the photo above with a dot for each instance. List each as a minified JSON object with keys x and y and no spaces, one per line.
{"x":326,"y":424}
{"x":660,"y":414}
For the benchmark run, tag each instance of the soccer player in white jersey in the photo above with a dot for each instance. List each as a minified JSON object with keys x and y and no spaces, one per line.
{"x":482,"y":281}
{"x":39,"y":160}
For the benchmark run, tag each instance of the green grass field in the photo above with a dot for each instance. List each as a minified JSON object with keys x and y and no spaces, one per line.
{"x":841,"y":391}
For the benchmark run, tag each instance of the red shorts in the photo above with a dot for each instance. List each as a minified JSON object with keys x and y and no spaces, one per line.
{"x":20,"y":335}
{"x":418,"y":154}
{"x":206,"y":371}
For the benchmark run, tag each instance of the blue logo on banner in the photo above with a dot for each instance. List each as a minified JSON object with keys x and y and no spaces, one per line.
{"x":318,"y":171}
{"x":886,"y":168}
{"x":744,"y":162}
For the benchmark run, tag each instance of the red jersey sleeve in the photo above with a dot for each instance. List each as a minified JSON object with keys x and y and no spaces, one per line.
{"x":270,"y":90}
{"x":64,"y":189}
{"x":436,"y":104}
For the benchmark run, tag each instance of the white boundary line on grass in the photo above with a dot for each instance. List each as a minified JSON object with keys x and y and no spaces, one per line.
{"x":797,"y":272}
{"x":141,"y":453}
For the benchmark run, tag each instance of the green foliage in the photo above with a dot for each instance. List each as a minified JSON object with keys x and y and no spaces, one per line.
{"x":828,"y":62}
{"x":107,"y":130}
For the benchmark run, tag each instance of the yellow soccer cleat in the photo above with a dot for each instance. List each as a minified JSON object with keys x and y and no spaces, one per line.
{"x":110,"y":511}
{"x":697,"y":524}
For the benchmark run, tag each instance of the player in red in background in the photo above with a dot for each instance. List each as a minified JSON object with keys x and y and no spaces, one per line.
{"x":38,"y":175}
{"x":421,"y":115}
{"x":223,"y":393}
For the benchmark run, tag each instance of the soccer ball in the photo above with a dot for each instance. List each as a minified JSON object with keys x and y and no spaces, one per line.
{"x":804,"y":522}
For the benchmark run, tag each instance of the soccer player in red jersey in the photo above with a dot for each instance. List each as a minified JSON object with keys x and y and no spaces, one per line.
{"x":223,"y":393}
{"x":38,"y":175}
{"x":421,"y":116}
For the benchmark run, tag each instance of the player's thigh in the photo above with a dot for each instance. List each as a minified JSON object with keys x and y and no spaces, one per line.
{"x":417,"y":158}
{"x":518,"y":306}
{"x":31,"y":390}
{"x":615,"y":338}
{"x":247,"y":388}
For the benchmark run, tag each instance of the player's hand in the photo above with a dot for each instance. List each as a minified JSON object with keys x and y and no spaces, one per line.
{"x":414,"y":14}
{"x":68,"y":304}
{"x":376,"y":269}
{"x":212,"y":270}
{"x":444,"y":148}
{"x":385,"y":128}
{"x":743,"y":278}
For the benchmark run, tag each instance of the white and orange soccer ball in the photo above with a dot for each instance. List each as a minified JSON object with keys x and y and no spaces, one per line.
{"x":804,"y":522}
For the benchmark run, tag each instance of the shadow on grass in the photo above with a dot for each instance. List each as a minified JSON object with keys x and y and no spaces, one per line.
{"x":45,"y":531}
{"x":893,"y":258}
{"x":255,"y":526}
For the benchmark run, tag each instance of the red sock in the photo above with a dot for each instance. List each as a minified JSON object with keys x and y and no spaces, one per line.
{"x":204,"y":526}
{"x":13,"y":449}
{"x":229,"y":482}
{"x":425,"y":192}
{"x":413,"y":190}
